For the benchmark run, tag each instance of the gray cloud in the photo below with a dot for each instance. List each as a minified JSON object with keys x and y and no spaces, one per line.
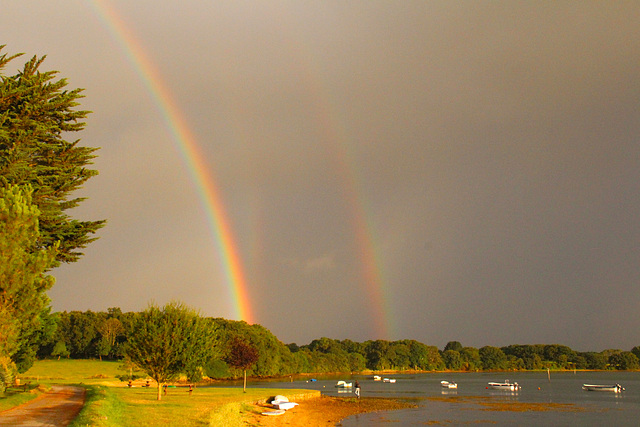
{"x":491,"y":147}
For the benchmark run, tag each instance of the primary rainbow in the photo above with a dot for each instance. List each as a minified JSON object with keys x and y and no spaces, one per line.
{"x":187,"y":144}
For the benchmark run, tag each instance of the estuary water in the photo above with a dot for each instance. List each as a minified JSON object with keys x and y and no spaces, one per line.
{"x":559,"y":401}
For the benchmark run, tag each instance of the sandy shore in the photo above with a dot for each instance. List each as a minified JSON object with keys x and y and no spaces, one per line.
{"x":323,"y":410}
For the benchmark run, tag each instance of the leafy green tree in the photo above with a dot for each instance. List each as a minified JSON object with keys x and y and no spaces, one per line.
{"x":109,"y":330}
{"x":60,"y":350}
{"x":82,"y":334}
{"x":376,"y":355}
{"x":533,"y":362}
{"x":302,"y":361}
{"x":242,"y":355}
{"x":514,"y":363}
{"x":165,"y":342}
{"x":492,"y":358}
{"x":47,"y":333}
{"x":419,"y":354}
{"x":433,"y":359}
{"x":217,"y":368}
{"x":453,"y":345}
{"x":195,"y":368}
{"x":23,"y":283}
{"x":7,"y":372}
{"x":399,"y":355}
{"x":9,"y":330}
{"x":329,"y":355}
{"x":352,"y":346}
{"x":274,"y":358}
{"x":531,"y":355}
{"x":596,"y":361}
{"x":452,"y":360}
{"x":560,"y":355}
{"x":36,"y":110}
{"x":623,"y":361}
{"x":356,"y":362}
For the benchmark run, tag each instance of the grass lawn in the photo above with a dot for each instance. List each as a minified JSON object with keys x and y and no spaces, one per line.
{"x":70,"y":371}
{"x":111,"y":403}
{"x":14,"y":397}
{"x":123,"y":406}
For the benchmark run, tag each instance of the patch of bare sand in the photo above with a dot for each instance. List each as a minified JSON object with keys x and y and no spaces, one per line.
{"x":323,"y":410}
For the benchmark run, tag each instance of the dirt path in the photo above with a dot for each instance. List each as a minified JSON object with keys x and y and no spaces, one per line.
{"x":57,"y":408}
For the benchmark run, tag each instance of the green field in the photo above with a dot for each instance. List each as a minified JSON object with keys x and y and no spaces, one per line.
{"x":69,"y":371}
{"x":111,"y":403}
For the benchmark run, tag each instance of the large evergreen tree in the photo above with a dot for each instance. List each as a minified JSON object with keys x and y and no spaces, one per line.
{"x":36,"y":111}
{"x":23,"y":284}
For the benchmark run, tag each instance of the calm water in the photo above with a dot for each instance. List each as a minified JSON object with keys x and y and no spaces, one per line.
{"x":462,"y":406}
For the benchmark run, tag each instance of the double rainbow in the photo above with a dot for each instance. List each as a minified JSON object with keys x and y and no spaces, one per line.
{"x":187,"y":144}
{"x":204,"y":181}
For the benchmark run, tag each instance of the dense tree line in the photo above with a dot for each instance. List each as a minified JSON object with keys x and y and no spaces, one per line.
{"x":105,"y":335}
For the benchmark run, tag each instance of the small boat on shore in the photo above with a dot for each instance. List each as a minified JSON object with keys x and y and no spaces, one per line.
{"x":344,"y":384}
{"x":615,"y":388}
{"x":282,"y":402}
{"x":448,"y":384}
{"x":285,"y":405}
{"x":506,"y":386}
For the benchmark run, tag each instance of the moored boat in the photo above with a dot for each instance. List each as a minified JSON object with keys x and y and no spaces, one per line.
{"x":377,"y":377}
{"x":344,"y":384}
{"x":506,"y":386}
{"x":448,"y":384}
{"x":388,"y":380}
{"x":615,"y":388}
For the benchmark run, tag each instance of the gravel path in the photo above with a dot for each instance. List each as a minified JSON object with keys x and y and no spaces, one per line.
{"x":56,"y":408}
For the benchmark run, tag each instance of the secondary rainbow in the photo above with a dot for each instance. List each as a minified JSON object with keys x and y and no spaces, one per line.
{"x":200,"y":173}
{"x":371,"y":265}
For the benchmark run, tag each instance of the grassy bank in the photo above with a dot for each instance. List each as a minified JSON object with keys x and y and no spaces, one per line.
{"x":109,"y":402}
{"x":13,"y":397}
{"x":111,"y":406}
{"x":70,"y":371}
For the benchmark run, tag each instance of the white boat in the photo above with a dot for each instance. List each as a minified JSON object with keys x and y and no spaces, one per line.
{"x":448,"y":384}
{"x":616,"y":388}
{"x":377,"y":377}
{"x":389,"y":380}
{"x":279,"y":399}
{"x":285,"y":405}
{"x":282,"y":402}
{"x":506,"y":385}
{"x":344,"y":384}
{"x":276,"y":412}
